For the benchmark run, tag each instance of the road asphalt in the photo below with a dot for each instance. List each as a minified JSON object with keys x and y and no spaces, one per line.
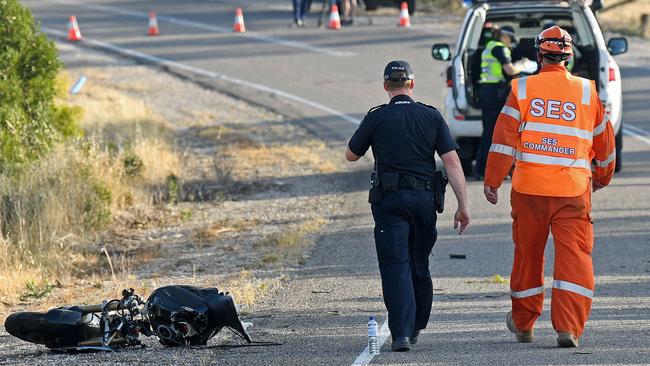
{"x":320,"y":317}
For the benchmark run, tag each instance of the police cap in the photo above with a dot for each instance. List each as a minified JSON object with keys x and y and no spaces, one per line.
{"x":398,"y":71}
{"x":509,"y":31}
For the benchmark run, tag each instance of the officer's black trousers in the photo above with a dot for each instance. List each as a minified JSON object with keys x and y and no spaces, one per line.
{"x":493,"y":98}
{"x":405,"y":231}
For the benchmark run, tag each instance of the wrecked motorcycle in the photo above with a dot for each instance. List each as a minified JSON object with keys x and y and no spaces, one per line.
{"x":177,"y":315}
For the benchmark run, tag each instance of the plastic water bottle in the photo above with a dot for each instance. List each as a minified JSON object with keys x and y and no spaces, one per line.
{"x":373,"y":341}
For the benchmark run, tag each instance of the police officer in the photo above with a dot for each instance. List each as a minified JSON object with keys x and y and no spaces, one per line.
{"x":496,"y":68}
{"x":404,"y":136}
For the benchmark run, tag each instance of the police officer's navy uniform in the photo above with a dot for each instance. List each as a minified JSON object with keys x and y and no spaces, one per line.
{"x":404,"y":136}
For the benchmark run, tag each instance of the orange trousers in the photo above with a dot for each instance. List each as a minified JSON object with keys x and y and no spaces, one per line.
{"x":569,"y":219}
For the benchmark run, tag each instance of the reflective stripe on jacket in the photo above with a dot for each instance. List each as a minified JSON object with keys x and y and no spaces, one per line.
{"x":491,"y":68}
{"x":556,"y":128}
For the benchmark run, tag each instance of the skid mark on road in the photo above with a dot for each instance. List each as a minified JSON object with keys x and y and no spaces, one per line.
{"x":365,"y":357}
{"x":201,"y":72}
{"x":637,"y":133}
{"x":210,"y":28}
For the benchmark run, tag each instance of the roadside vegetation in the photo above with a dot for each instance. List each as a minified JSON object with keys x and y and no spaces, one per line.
{"x":625,"y":19}
{"x":66,"y":170}
{"x":93,"y":186}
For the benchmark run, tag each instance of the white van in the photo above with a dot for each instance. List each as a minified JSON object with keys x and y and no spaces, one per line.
{"x":593,"y":60}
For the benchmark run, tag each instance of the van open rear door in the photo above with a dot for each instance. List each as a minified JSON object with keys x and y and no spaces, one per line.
{"x":474,"y":18}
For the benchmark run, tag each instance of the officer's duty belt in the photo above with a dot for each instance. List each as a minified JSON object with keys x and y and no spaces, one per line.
{"x":414,"y":184}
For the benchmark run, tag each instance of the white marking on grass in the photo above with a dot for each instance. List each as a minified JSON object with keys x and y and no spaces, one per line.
{"x":365,"y":357}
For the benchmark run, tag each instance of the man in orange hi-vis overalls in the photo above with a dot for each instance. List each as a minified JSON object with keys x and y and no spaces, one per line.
{"x":555,"y":127}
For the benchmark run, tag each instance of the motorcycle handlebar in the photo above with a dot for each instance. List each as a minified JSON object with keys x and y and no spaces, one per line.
{"x":111,"y":306}
{"x":97,"y":308}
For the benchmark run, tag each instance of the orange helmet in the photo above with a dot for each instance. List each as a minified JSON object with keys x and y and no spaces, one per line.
{"x":555,"y":42}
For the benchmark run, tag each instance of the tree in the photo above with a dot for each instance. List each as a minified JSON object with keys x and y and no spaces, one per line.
{"x":30,"y":120}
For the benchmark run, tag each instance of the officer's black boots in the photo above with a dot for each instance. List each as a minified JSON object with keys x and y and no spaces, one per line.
{"x":401,"y":344}
{"x":414,"y":337}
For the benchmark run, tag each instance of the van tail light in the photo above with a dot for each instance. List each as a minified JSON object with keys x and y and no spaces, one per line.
{"x":612,"y":74}
{"x":450,"y":83}
{"x":458,"y":116}
{"x":450,"y":77}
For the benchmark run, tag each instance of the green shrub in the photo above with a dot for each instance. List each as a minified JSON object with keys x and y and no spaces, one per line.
{"x":34,"y":290}
{"x":133,"y":165}
{"x":173,"y":188}
{"x":30,"y":120}
{"x":97,"y":208}
{"x":55,"y":204}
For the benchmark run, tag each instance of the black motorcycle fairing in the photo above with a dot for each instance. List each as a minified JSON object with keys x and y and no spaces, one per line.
{"x":223,"y":310}
{"x":57,"y":328}
{"x":189,"y":316}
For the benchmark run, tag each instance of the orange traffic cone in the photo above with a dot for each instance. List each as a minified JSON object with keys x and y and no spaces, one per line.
{"x":73,"y":30}
{"x":153,"y":24}
{"x":335,"y":21}
{"x":404,"y":20}
{"x":239,"y":26}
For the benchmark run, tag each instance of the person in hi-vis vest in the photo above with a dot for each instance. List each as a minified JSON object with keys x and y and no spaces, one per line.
{"x":496,"y":70}
{"x":556,"y":129}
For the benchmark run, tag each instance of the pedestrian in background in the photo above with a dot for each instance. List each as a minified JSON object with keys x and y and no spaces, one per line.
{"x":349,"y":11}
{"x":553,"y":124}
{"x":300,"y":8}
{"x":496,"y":70}
{"x":406,"y":190}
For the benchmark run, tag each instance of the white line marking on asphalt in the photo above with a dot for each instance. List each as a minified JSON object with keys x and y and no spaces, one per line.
{"x":211,"y":28}
{"x":637,"y":130}
{"x":195,"y":70}
{"x":365,"y":357}
{"x":637,"y":133}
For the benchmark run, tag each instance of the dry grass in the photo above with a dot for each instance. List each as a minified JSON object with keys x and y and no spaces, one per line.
{"x":111,"y":106}
{"x":246,"y":289}
{"x":57,"y":202}
{"x":290,"y":243}
{"x":117,"y":119}
{"x":282,"y":160}
{"x":43,"y":291}
{"x":207,"y":235}
{"x":294,"y":236}
{"x":159,"y":158}
{"x":625,"y":19}
{"x":276,"y":150}
{"x":60,"y":204}
{"x":14,"y":284}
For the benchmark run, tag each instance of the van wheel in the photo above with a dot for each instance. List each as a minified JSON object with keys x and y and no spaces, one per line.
{"x":619,"y":150}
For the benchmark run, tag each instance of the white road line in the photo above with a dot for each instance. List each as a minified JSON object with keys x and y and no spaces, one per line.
{"x":195,"y":70}
{"x":637,"y":133}
{"x":211,"y":28}
{"x":637,"y":130}
{"x":365,"y":357}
